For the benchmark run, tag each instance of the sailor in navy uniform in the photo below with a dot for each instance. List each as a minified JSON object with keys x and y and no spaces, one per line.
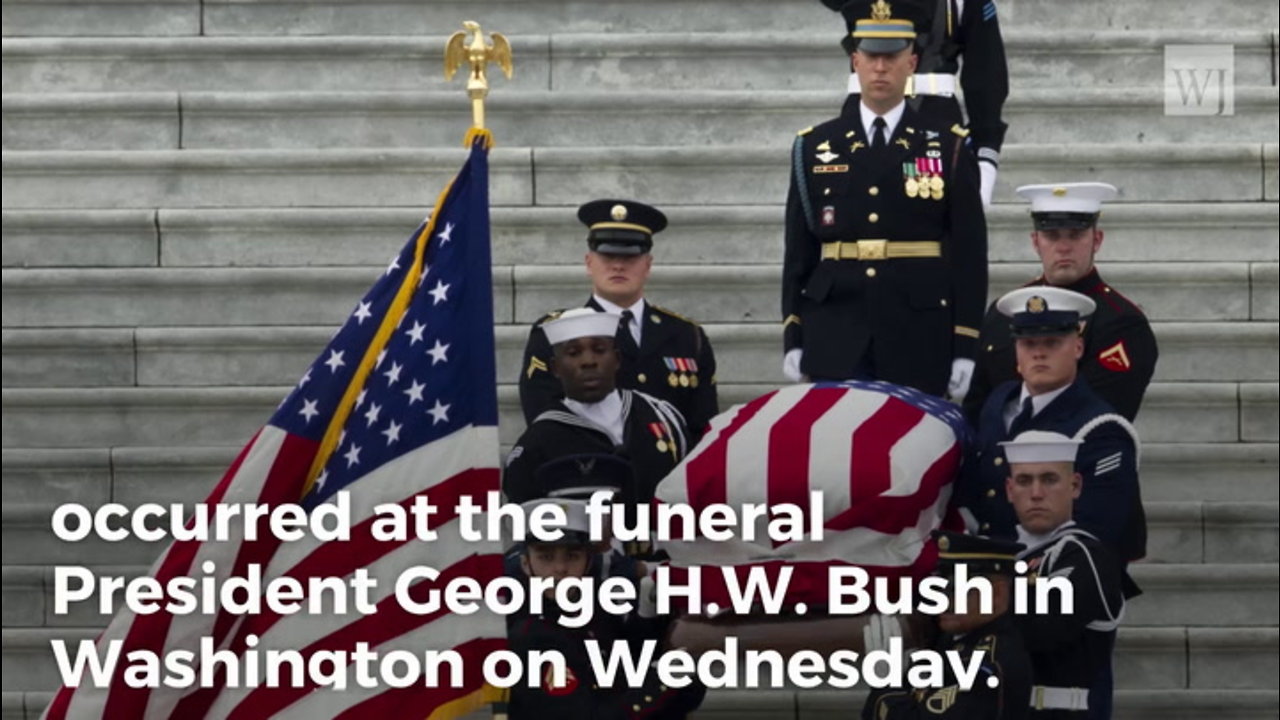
{"x":956,"y":30}
{"x":885,"y":266}
{"x":1003,"y":683}
{"x":1120,"y":350}
{"x":580,"y":694}
{"x":595,"y":416}
{"x":1070,"y":651}
{"x":1045,"y":323}
{"x":663,"y":353}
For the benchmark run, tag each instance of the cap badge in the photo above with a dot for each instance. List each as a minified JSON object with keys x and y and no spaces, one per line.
{"x":880,"y":10}
{"x":1036,"y":304}
{"x":1059,"y":192}
{"x":586,"y":466}
{"x":944,"y":543}
{"x":618,"y":212}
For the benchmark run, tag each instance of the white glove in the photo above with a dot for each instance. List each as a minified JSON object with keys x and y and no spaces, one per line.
{"x":791,"y":365}
{"x":879,"y":630}
{"x":961,"y":376}
{"x":648,"y":598}
{"x":988,"y":187}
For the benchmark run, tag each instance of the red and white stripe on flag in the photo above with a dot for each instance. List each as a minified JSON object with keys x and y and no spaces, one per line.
{"x":882,"y":456}
{"x":402,"y":404}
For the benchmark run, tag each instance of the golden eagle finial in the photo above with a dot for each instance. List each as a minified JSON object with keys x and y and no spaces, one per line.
{"x":479,"y":54}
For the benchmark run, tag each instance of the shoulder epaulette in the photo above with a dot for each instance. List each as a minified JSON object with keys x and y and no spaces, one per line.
{"x":805,"y":131}
{"x":959,"y":130}
{"x":549,"y":316}
{"x":676,"y":315}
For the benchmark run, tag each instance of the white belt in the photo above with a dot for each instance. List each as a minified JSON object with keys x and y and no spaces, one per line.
{"x":1059,"y":698}
{"x":943,"y":84}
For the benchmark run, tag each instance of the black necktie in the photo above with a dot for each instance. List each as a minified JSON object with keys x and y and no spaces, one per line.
{"x":1024,"y":416}
{"x":628,"y":344}
{"x":878,"y":134}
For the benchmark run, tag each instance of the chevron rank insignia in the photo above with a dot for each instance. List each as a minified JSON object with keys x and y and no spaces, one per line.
{"x":1115,"y":358}
{"x":535,"y":364}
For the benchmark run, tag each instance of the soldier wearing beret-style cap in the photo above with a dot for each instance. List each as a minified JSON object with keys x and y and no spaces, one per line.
{"x":1120,"y":350}
{"x":663,"y":354}
{"x":1003,"y":684}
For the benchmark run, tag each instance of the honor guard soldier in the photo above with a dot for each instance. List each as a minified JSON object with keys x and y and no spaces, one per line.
{"x":1003,"y":683}
{"x":956,"y":30}
{"x":1046,"y":323}
{"x":595,"y":416}
{"x":579,"y":694}
{"x":1070,"y":651}
{"x":1119,"y":348}
{"x":664,"y":354}
{"x":885,"y":268}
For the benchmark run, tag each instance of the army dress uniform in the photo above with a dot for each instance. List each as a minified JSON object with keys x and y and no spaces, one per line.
{"x":653,"y":441}
{"x":1071,"y":652}
{"x":999,"y":640}
{"x":674,"y":362}
{"x":885,"y":264}
{"x":956,"y":29}
{"x":1120,"y":350}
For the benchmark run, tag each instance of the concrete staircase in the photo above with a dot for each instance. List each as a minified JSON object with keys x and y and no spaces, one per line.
{"x":196,"y":191}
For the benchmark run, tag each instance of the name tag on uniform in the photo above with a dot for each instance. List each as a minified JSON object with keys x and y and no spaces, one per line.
{"x":824,"y":169}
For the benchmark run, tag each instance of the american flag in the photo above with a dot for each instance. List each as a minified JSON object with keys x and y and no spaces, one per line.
{"x":883,"y":456}
{"x":402,"y":403}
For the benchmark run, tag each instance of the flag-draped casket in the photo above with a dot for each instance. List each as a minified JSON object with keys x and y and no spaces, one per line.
{"x":882,"y":455}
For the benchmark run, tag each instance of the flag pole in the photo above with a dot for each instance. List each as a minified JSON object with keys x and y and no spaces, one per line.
{"x":478,"y":54}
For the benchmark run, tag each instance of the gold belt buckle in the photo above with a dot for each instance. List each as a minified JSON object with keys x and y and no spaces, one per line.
{"x":873,"y":249}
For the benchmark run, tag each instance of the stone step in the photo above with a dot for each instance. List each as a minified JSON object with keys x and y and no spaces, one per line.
{"x":1136,"y":232}
{"x":214,"y":178}
{"x":1226,"y":478}
{"x":766,"y":60}
{"x":239,"y":356}
{"x":395,"y":17}
{"x":1167,"y":658}
{"x":1152,"y":172}
{"x":108,"y":417}
{"x":127,"y":297}
{"x":300,"y":120}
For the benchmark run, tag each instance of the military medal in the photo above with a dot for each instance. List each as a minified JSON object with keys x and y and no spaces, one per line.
{"x":936,"y":183}
{"x":684,"y":380}
{"x":693,"y":381}
{"x":660,"y":433}
{"x":912,"y":186}
{"x":673,"y":379}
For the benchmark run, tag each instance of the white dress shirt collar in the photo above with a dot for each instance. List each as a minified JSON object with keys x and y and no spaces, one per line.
{"x":891,"y":120}
{"x":637,"y":314}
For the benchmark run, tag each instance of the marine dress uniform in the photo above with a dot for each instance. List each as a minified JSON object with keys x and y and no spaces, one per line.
{"x":1120,"y":350}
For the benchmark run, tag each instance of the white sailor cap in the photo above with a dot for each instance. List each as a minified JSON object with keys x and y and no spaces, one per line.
{"x":581,"y":322}
{"x":577,"y":527}
{"x":1040,"y":446}
{"x":1066,"y":205}
{"x":1041,"y":310}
